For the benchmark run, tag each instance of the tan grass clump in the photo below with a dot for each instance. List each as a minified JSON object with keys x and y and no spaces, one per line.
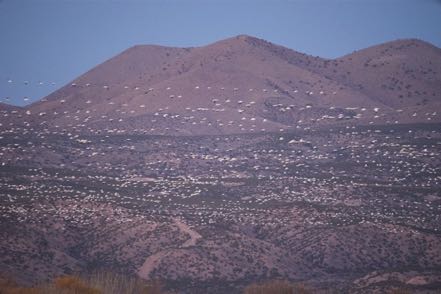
{"x":276,"y":287}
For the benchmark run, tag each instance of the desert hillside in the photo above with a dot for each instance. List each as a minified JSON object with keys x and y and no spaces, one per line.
{"x":217,"y":167}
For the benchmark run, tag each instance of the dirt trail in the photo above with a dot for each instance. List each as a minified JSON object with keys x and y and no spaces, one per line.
{"x":153,"y":260}
{"x":194,"y":236}
{"x":150,"y":263}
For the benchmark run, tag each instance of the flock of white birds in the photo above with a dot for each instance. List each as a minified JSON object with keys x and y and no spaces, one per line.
{"x":247,"y":117}
{"x":368,"y":149}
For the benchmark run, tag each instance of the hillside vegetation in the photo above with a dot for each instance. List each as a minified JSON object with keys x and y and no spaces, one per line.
{"x":110,"y":283}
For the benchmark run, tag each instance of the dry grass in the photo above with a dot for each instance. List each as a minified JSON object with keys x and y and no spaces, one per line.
{"x":9,"y":286}
{"x":98,"y":283}
{"x":74,"y":285}
{"x":276,"y":287}
{"x":113,"y":283}
{"x":399,"y":291}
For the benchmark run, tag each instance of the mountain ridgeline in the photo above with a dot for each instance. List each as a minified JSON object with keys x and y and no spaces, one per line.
{"x":244,"y":84}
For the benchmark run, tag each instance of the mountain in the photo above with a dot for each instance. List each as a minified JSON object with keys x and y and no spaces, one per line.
{"x":10,"y":115}
{"x":403,"y":73}
{"x":8,"y":107}
{"x":241,"y":161}
{"x":244,"y":84}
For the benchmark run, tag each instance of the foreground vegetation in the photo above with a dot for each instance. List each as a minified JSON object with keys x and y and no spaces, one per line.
{"x":109,"y":283}
{"x":276,"y":287}
{"x":98,"y":283}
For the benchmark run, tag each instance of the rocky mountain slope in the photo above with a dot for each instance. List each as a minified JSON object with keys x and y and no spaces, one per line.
{"x":244,"y":84}
{"x":210,"y":168}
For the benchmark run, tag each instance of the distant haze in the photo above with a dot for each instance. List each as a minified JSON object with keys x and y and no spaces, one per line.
{"x":45,"y":44}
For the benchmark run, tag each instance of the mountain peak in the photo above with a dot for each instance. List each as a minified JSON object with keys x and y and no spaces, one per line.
{"x":411,"y":41}
{"x":241,"y":40}
{"x":242,"y":78}
{"x":244,"y":37}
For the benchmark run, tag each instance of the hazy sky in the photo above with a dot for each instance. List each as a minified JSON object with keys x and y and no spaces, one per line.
{"x":54,"y":41}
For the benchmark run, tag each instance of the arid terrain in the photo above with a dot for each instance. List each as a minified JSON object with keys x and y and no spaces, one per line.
{"x":214,"y":167}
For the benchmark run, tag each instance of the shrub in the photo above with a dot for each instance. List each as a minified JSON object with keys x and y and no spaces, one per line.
{"x":276,"y":287}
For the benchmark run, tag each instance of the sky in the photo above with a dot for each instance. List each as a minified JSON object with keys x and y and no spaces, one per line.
{"x":45,"y":44}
